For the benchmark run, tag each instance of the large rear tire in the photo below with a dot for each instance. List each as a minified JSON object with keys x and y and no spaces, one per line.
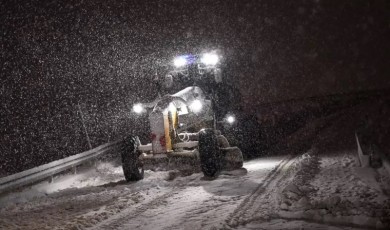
{"x":132,"y":167}
{"x":209,"y":153}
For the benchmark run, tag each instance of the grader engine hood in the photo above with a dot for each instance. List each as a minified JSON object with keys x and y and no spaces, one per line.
{"x":172,"y":112}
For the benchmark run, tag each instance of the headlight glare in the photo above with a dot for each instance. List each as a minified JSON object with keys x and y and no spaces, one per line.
{"x":209,"y":59}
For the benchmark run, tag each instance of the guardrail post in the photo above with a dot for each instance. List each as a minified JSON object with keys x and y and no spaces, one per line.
{"x":74,"y":169}
{"x":95,"y":162}
{"x":364,"y":158}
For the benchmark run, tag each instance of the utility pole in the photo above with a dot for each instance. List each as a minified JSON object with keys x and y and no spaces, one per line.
{"x":85,"y":128}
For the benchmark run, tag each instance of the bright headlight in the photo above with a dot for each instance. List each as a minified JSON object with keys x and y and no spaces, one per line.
{"x":196,"y":106}
{"x":180,"y":62}
{"x":209,"y":59}
{"x":230,"y":119}
{"x":138,"y":108}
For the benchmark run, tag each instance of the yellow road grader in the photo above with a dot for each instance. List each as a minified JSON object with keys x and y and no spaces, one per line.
{"x":183,"y":125}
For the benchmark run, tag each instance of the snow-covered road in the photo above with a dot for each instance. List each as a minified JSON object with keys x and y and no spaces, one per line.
{"x":163,"y":200}
{"x":197,"y":203}
{"x":99,"y":198}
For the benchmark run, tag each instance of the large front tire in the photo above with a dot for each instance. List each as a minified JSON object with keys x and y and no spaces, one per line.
{"x":132,"y":166}
{"x":209,"y":153}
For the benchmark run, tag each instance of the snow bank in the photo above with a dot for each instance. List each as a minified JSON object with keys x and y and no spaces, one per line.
{"x":331,"y":189}
{"x":103,"y":173}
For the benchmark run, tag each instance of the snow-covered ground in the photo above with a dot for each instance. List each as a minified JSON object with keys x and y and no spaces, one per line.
{"x":319,"y":188}
{"x":157,"y":202}
{"x":286,"y":192}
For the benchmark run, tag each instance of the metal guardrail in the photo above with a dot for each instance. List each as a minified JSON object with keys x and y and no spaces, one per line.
{"x":42,"y":172}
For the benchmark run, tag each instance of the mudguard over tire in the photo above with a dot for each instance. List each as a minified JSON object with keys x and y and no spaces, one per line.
{"x":132,"y":166}
{"x":232,"y":158}
{"x":209,"y":153}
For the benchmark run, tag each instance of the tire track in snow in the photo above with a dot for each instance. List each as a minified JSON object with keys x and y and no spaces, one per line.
{"x":119,"y":220}
{"x":203,"y":212}
{"x":215,"y":209}
{"x":246,"y":212}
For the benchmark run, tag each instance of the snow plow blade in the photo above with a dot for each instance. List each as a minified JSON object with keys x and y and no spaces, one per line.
{"x":231,"y":159}
{"x":166,"y":163}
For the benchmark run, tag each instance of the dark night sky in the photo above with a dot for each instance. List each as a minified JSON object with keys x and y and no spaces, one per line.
{"x":101,"y":55}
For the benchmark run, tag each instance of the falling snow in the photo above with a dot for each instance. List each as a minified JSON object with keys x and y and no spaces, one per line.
{"x":293,"y":74}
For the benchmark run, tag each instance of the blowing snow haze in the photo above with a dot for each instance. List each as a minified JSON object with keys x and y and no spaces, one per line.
{"x":62,"y":58}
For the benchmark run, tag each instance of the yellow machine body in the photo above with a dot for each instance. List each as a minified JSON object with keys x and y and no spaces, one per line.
{"x":163,"y":127}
